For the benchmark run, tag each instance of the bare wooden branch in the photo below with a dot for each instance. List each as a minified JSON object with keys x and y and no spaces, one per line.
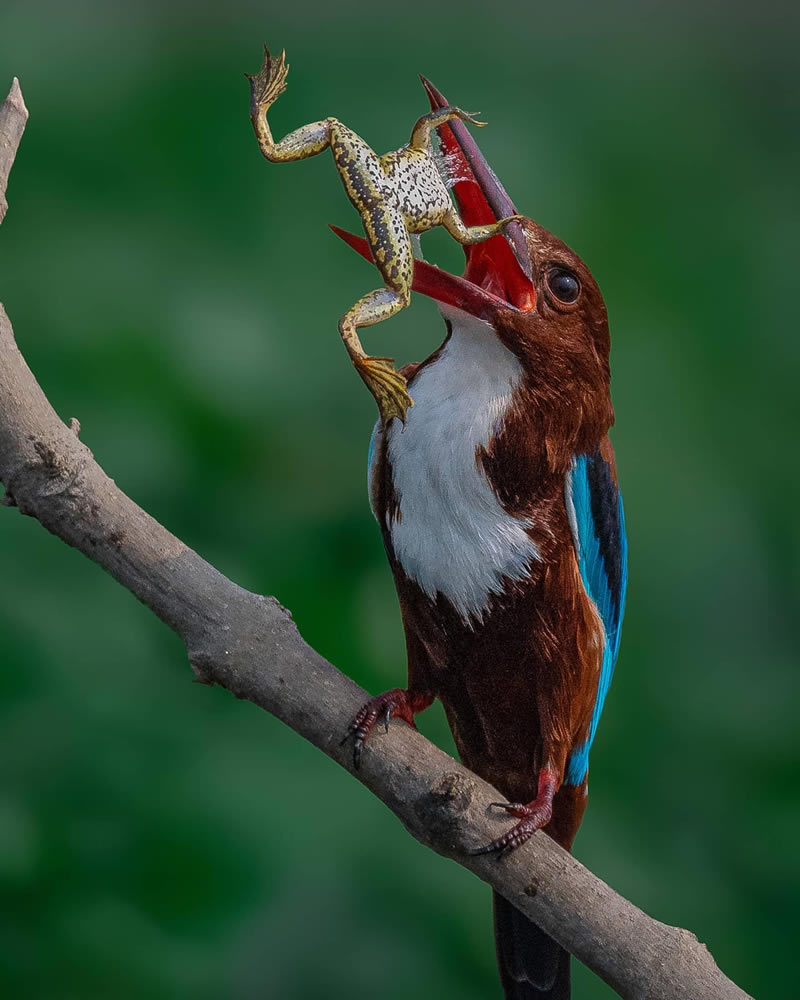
{"x":13,"y":116}
{"x":249,"y":645}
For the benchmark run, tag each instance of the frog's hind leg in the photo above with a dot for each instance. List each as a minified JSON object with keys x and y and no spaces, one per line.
{"x":265,"y":88}
{"x":391,"y":250}
{"x":385,"y":383}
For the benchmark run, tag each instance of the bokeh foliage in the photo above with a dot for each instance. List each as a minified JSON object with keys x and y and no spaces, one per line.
{"x":177,"y":294}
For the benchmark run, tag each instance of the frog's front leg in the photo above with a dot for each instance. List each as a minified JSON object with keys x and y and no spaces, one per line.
{"x":467,"y":235}
{"x":265,"y":88}
{"x":450,"y":219}
{"x":421,"y":133}
{"x":391,"y":249}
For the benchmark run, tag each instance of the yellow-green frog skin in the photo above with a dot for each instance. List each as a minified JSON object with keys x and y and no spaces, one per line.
{"x":396,"y":194}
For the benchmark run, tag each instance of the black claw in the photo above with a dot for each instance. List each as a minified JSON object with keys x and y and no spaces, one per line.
{"x":510,"y":807}
{"x":357,"y":747}
{"x":386,"y":716}
{"x":489,"y":849}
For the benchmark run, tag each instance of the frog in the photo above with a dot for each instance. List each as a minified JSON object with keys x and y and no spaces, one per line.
{"x":398,"y":195}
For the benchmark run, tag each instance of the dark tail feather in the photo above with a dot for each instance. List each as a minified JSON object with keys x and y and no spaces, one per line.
{"x":532,"y":965}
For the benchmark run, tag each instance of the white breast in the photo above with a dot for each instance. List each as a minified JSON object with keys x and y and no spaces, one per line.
{"x":450,"y":533}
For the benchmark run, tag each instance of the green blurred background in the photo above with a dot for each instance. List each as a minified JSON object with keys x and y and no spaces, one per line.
{"x":179,"y":295}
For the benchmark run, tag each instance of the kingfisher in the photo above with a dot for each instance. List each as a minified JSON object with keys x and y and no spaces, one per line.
{"x":502,"y":520}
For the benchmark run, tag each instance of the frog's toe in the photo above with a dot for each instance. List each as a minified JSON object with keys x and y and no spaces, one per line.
{"x":471,"y":117}
{"x":269,"y":83}
{"x":387,"y":385}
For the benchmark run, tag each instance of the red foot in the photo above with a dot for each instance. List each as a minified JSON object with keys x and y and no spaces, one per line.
{"x":397,"y":704}
{"x":532,"y":816}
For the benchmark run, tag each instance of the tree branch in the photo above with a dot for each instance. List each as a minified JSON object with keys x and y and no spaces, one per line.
{"x":13,"y":116}
{"x":249,"y":645}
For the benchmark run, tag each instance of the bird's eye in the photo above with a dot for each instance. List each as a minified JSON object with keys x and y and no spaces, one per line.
{"x":563,"y":284}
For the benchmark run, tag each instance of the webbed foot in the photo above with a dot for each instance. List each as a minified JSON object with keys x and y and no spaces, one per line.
{"x":387,"y":385}
{"x":269,"y":83}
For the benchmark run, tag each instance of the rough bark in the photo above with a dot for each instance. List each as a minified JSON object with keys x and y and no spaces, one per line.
{"x":249,"y":645}
{"x":13,"y":116}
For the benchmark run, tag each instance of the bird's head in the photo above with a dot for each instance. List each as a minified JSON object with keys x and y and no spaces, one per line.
{"x":533,"y":292}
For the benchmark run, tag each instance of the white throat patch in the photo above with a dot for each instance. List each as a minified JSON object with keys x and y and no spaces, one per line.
{"x":451,"y":535}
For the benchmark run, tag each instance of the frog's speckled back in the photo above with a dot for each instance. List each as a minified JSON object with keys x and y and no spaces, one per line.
{"x":417,"y":188}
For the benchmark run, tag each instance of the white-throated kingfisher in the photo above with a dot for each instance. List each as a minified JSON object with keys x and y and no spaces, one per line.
{"x":503,"y":524}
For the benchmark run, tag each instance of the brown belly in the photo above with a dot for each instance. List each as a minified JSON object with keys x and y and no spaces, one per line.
{"x":518,"y":687}
{"x":492,"y":711}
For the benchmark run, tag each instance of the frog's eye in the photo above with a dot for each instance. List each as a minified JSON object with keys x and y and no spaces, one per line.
{"x":563,"y":284}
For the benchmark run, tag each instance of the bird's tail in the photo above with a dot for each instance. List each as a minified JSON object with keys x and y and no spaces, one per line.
{"x":532,"y":965}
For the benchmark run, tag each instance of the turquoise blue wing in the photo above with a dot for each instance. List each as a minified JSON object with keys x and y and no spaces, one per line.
{"x":597,"y":519}
{"x":375,"y":442}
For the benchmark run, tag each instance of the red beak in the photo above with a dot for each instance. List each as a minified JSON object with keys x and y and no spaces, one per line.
{"x":498,"y":273}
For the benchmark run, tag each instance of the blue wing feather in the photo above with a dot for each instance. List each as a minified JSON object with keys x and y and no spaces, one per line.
{"x":594,"y":505}
{"x":372,"y":460}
